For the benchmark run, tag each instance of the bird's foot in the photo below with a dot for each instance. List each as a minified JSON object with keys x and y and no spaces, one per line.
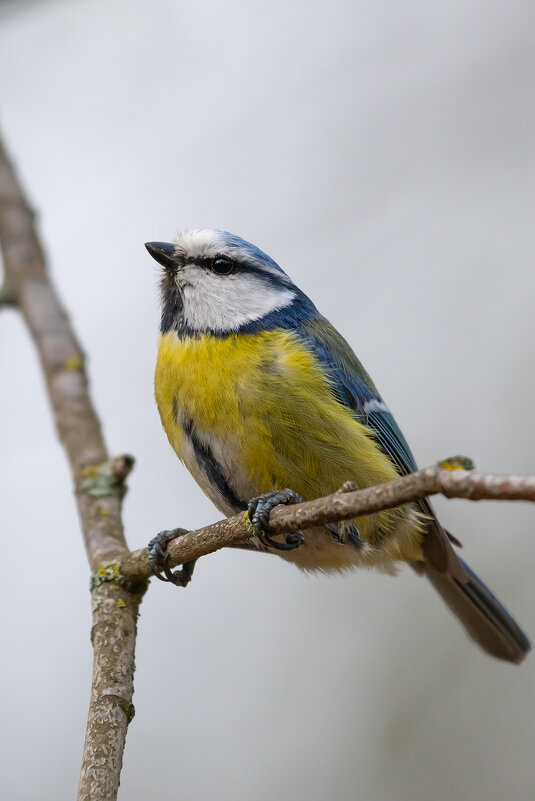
{"x":349,"y":533}
{"x":159,"y":559}
{"x":259,"y":510}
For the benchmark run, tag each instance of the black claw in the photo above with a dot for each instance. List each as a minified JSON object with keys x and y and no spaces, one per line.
{"x":259,"y":510}
{"x":349,"y":533}
{"x":353,"y":535}
{"x":335,"y":531}
{"x":159,"y":559}
{"x":295,"y":539}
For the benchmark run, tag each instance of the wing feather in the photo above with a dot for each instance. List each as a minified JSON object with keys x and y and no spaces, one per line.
{"x":353,"y":387}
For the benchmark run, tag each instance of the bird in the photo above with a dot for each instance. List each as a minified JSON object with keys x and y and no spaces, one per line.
{"x":265,"y":402}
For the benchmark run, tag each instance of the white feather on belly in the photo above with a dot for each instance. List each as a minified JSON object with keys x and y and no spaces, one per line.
{"x":228,"y":462}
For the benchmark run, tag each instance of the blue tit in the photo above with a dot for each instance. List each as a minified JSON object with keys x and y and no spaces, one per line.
{"x":258,"y":392}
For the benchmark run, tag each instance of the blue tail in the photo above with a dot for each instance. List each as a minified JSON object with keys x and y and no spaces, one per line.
{"x":485,"y":619}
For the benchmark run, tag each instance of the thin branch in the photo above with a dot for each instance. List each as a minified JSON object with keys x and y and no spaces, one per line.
{"x":99,"y":484}
{"x":449,"y":478}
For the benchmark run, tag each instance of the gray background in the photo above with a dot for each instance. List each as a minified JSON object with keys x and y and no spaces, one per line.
{"x":383,"y":153}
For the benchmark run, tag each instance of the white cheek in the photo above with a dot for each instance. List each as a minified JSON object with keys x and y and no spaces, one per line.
{"x":224,"y":303}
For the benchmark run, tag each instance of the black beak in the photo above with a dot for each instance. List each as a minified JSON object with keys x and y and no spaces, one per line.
{"x":163,"y":252}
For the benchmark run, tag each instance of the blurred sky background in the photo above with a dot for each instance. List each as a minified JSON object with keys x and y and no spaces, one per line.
{"x":384,"y":154}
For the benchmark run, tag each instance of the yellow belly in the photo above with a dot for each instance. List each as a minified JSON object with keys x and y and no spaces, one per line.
{"x":263,"y":401}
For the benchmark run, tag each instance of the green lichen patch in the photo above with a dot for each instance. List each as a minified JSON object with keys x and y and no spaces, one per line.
{"x":248,"y":525}
{"x":101,"y":480}
{"x":108,"y":572}
{"x":74,"y":364}
{"x":457,"y":463}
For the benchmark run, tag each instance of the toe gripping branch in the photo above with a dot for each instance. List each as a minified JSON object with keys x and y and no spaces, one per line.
{"x":159,"y":559}
{"x":259,"y":510}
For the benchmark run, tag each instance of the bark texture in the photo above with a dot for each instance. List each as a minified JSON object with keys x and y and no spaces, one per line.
{"x":111,"y":709}
{"x":99,"y":486}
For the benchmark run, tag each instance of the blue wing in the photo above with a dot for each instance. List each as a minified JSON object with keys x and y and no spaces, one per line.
{"x":354,"y":388}
{"x":391,"y":439}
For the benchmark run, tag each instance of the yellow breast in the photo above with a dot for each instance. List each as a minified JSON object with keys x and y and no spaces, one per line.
{"x":203,"y":379}
{"x":264,"y":399}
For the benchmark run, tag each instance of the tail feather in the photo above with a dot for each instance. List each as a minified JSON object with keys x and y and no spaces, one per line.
{"x":485,"y":619}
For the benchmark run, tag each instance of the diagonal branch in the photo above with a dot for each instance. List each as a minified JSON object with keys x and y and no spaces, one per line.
{"x":98,"y":483}
{"x":449,"y":477}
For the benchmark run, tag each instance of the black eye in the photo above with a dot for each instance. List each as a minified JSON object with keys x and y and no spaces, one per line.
{"x":222,"y":265}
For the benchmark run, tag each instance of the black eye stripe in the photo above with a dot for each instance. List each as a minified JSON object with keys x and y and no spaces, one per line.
{"x":246,"y":267}
{"x":226,"y":264}
{"x":205,"y":261}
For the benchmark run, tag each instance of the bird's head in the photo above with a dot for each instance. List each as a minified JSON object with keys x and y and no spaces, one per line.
{"x":215,"y":282}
